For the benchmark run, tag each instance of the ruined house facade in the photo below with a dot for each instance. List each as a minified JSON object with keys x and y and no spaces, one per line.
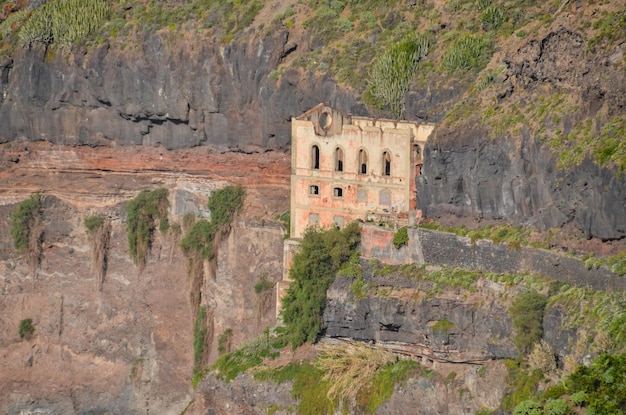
{"x":346,"y":168}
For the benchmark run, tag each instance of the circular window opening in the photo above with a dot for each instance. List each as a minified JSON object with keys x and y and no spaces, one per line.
{"x":326,"y":120}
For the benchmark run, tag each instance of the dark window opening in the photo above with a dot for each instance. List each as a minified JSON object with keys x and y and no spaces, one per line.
{"x":418,"y":152}
{"x":338,"y":159}
{"x":338,"y":192}
{"x":386,"y":164}
{"x":314,"y":189}
{"x":315,"y":158}
{"x":362,"y":162}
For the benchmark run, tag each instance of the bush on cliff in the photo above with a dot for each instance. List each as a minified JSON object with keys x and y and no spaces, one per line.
{"x":392,"y":73}
{"x":401,"y":238}
{"x":26,"y":329}
{"x":527,"y":315}
{"x":23,"y":221}
{"x":313,"y":270}
{"x":64,"y":22}
{"x":143,"y":212}
{"x":26,"y":229}
{"x":223,"y":204}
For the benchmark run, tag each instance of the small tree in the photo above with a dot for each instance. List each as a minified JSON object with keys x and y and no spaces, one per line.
{"x":313,"y":270}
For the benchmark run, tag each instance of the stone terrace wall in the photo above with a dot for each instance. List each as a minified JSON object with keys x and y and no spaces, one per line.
{"x":452,"y":250}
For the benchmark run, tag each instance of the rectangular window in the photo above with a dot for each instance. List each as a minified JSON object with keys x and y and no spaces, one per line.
{"x":338,"y":221}
{"x":361,"y":195}
{"x":314,"y":189}
{"x":385,"y":197}
{"x":338,"y":192}
{"x":314,"y":219}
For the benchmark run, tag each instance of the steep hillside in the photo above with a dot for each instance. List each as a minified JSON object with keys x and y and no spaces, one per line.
{"x":113,"y":336}
{"x":102,"y":100}
{"x":531,"y":94}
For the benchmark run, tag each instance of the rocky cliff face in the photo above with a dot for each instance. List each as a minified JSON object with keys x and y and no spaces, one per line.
{"x":125,"y":345}
{"x":176,"y":92}
{"x":470,"y":172}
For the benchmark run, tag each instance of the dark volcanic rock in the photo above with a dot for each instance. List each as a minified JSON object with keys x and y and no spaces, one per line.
{"x":177,"y":95}
{"x":472,"y":332}
{"x":470,"y":173}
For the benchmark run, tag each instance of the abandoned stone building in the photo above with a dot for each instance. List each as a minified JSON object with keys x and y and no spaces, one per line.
{"x":345,"y":168}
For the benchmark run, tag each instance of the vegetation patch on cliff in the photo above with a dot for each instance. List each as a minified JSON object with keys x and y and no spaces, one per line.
{"x":198,"y":246}
{"x":313,"y":270}
{"x":26,"y":329}
{"x":142,"y":214}
{"x":27,"y":229}
{"x":58,"y":22}
{"x":99,"y":231}
{"x":354,"y":377}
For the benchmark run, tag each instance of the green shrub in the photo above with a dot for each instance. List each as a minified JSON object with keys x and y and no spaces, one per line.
{"x":443,"y":326}
{"x":528,"y":408}
{"x":24,"y":220}
{"x":527,"y":315}
{"x":26,"y":329}
{"x":554,"y":392}
{"x":64,"y":22}
{"x":492,"y":17}
{"x":199,"y":239}
{"x":93,"y":222}
{"x":250,"y":355}
{"x":320,"y":255}
{"x":466,"y":52}
{"x":309,"y":388}
{"x":385,"y":380}
{"x":224,"y":203}
{"x":579,"y":398}
{"x":556,"y":407}
{"x":223,"y":341}
{"x":601,"y":386}
{"x":263,"y":285}
{"x":352,"y":267}
{"x":142,"y":213}
{"x":401,"y":238}
{"x":359,"y":288}
{"x":392,"y":73}
{"x":522,"y":384}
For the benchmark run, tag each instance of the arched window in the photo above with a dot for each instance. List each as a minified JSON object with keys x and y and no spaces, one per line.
{"x":315,"y":157}
{"x":386,"y":163}
{"x":362,"y":162}
{"x":338,"y":159}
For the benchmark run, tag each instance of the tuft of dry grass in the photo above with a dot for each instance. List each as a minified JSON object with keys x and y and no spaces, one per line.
{"x":351,"y":368}
{"x":542,"y":357}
